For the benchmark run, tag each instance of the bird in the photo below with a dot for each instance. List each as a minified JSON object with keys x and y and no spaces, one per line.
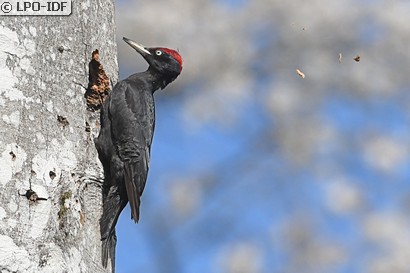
{"x":127,"y":121}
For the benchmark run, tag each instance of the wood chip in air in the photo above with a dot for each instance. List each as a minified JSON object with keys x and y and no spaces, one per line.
{"x":357,"y":58}
{"x":340,"y":57}
{"x":300,"y":73}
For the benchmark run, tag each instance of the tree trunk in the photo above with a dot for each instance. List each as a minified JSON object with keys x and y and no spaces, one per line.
{"x":50,"y":175}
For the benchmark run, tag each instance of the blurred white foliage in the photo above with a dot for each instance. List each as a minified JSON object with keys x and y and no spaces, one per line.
{"x":343,"y":196}
{"x":186,"y":196}
{"x":216,"y":104}
{"x":283,"y":99}
{"x":243,"y":257}
{"x":307,"y":251}
{"x":299,"y":141}
{"x":384,"y":153}
{"x":390,"y":232}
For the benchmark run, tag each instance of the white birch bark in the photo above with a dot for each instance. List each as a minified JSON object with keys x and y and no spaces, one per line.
{"x":43,"y":66}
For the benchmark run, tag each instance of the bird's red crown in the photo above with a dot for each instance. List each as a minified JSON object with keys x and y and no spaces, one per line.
{"x":174,"y":55}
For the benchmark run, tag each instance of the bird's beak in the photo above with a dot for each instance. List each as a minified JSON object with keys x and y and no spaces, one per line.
{"x":139,"y":48}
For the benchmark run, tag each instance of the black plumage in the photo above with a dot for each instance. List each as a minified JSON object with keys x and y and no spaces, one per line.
{"x":124,"y":142}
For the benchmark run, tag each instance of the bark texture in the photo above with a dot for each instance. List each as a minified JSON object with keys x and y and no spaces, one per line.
{"x":46,"y":139}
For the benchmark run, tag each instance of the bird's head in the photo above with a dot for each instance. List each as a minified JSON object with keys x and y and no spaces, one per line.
{"x":164,"y":61}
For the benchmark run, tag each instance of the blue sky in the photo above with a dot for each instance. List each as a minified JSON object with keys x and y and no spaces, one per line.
{"x":256,"y":168}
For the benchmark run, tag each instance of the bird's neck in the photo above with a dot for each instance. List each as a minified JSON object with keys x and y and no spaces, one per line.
{"x":157,"y":80}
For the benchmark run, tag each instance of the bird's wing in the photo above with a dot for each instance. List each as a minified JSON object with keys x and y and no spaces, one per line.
{"x":132,"y":130}
{"x":135,"y":176}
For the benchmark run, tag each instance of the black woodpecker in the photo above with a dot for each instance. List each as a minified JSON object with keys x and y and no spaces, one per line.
{"x":124,"y":142}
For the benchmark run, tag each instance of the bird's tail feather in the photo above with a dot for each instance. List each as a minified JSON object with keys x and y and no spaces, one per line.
{"x":112,"y":207}
{"x":108,"y":249}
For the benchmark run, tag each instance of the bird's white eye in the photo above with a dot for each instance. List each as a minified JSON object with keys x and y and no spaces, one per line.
{"x":158,"y":52}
